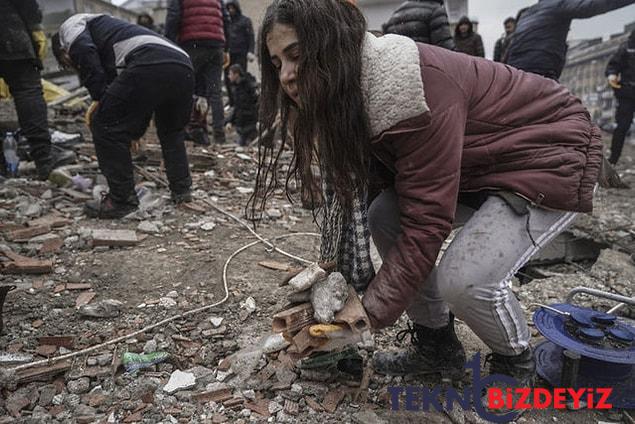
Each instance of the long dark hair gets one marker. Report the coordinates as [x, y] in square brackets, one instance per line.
[332, 126]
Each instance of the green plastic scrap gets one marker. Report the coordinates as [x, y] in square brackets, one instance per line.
[135, 361]
[330, 359]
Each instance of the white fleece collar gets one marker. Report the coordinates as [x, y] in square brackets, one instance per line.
[391, 81]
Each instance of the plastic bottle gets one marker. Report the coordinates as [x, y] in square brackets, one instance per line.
[10, 150]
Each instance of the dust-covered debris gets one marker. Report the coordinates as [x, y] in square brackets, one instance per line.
[164, 260]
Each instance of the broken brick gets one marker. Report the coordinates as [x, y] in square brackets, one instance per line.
[313, 404]
[137, 416]
[219, 395]
[24, 234]
[293, 319]
[16, 403]
[52, 245]
[53, 221]
[61, 341]
[19, 264]
[46, 350]
[291, 407]
[234, 403]
[332, 400]
[84, 298]
[260, 407]
[114, 238]
[42, 373]
[95, 399]
[218, 419]
[76, 286]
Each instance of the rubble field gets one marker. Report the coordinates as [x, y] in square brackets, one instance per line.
[81, 283]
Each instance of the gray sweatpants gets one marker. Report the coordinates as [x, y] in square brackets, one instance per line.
[473, 278]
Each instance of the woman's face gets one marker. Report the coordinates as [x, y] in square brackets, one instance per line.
[284, 49]
[464, 28]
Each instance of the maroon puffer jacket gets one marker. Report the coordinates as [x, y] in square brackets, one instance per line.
[490, 127]
[201, 20]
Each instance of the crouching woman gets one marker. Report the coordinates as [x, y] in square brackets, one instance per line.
[449, 140]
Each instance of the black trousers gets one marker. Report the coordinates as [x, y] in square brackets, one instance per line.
[24, 81]
[208, 75]
[234, 58]
[124, 114]
[624, 119]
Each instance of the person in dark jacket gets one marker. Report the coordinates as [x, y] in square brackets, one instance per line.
[244, 117]
[620, 72]
[131, 73]
[511, 155]
[500, 48]
[466, 40]
[425, 21]
[146, 21]
[539, 44]
[201, 28]
[241, 40]
[22, 48]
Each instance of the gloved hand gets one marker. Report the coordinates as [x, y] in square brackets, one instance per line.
[251, 57]
[201, 105]
[88, 117]
[614, 81]
[39, 38]
[226, 60]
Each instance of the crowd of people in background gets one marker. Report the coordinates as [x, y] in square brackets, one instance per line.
[219, 40]
[534, 41]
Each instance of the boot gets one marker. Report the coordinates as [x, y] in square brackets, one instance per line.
[219, 136]
[179, 198]
[54, 159]
[199, 136]
[433, 351]
[108, 208]
[521, 368]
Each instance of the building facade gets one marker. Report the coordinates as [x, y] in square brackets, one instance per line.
[57, 11]
[155, 8]
[584, 73]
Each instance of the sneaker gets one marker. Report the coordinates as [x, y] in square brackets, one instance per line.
[199, 136]
[433, 351]
[107, 208]
[179, 198]
[56, 158]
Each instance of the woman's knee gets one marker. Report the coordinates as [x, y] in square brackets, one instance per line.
[458, 282]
